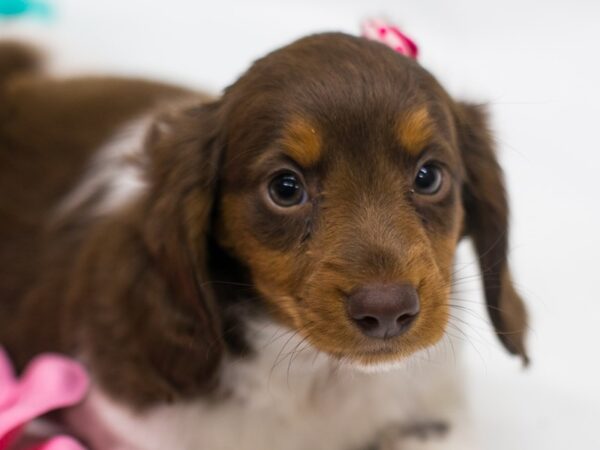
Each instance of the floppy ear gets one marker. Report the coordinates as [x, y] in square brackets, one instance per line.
[486, 222]
[139, 308]
[184, 156]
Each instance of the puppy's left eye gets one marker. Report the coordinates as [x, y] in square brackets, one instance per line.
[286, 190]
[429, 179]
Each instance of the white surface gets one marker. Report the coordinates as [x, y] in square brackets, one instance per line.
[536, 64]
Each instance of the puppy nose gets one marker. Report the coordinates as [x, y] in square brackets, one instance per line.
[383, 310]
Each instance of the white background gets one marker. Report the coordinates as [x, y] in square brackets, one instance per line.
[535, 63]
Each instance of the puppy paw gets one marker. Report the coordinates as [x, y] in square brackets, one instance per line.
[401, 437]
[429, 435]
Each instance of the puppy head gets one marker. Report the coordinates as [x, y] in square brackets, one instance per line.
[346, 178]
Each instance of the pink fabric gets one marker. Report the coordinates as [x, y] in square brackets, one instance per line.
[50, 382]
[390, 35]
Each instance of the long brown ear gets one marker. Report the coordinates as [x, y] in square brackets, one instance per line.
[486, 208]
[146, 319]
[184, 156]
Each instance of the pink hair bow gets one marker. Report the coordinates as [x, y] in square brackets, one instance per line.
[390, 35]
[50, 382]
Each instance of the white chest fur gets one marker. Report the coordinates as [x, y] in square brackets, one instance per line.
[286, 397]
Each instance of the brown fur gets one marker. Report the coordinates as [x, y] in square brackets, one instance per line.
[150, 295]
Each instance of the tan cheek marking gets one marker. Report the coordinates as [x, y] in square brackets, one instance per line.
[302, 142]
[274, 272]
[414, 130]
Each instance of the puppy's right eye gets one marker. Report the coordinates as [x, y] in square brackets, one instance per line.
[286, 190]
[429, 179]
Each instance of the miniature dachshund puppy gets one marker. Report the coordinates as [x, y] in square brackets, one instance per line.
[256, 271]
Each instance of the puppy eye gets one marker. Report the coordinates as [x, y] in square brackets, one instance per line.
[429, 179]
[287, 190]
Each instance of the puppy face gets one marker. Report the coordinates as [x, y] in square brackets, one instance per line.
[340, 176]
[341, 192]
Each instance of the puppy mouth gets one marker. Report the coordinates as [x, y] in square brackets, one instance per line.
[374, 352]
[382, 350]
[373, 360]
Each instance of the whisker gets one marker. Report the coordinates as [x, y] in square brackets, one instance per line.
[294, 355]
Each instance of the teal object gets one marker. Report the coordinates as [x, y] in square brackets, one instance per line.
[16, 8]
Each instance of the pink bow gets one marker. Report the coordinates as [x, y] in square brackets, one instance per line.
[390, 35]
[50, 382]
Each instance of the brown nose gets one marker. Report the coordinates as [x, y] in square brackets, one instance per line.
[384, 310]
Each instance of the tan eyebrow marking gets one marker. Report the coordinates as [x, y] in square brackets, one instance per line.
[414, 129]
[302, 142]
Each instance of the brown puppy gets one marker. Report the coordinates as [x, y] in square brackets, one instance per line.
[147, 230]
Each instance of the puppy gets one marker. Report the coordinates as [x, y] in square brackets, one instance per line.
[230, 269]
